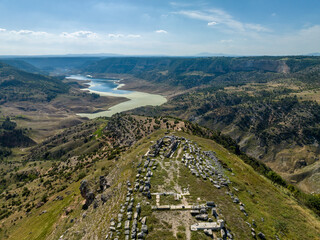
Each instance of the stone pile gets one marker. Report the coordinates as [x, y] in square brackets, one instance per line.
[128, 219]
[174, 143]
[205, 165]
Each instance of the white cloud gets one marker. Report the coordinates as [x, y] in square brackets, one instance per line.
[212, 23]
[256, 27]
[29, 32]
[252, 41]
[112, 35]
[134, 36]
[3, 30]
[179, 4]
[80, 34]
[226, 41]
[217, 16]
[299, 42]
[118, 35]
[161, 31]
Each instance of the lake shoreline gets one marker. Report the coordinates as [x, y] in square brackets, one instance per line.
[135, 99]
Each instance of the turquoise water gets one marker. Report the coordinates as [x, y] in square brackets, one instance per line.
[109, 87]
[101, 85]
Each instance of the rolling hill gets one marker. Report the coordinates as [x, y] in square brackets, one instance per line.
[268, 105]
[17, 85]
[152, 178]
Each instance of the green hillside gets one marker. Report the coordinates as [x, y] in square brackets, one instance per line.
[17, 85]
[22, 65]
[267, 207]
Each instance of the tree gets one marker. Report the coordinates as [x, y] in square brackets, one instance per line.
[8, 125]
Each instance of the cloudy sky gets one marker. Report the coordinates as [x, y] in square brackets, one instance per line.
[159, 27]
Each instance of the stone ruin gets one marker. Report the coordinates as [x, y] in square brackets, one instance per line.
[202, 164]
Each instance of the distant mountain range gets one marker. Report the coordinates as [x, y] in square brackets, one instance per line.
[314, 54]
[208, 54]
[73, 55]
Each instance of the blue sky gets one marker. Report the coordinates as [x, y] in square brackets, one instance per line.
[153, 27]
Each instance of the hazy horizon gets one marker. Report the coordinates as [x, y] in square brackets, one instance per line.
[170, 28]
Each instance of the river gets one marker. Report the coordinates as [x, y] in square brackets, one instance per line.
[111, 87]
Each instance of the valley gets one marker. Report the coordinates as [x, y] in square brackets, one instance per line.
[113, 87]
[37, 111]
[159, 120]
[217, 148]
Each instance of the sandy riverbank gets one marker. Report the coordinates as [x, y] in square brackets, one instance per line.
[136, 99]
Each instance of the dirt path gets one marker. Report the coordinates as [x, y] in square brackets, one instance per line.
[179, 152]
[185, 215]
[173, 170]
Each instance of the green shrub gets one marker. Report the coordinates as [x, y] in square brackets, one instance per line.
[81, 175]
[25, 192]
[44, 198]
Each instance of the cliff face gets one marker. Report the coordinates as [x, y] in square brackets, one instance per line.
[189, 72]
[278, 66]
[209, 65]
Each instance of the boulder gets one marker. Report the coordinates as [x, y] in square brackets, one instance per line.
[86, 193]
[261, 236]
[68, 210]
[203, 211]
[104, 198]
[119, 225]
[39, 204]
[89, 198]
[194, 212]
[141, 235]
[144, 228]
[223, 233]
[127, 225]
[202, 217]
[103, 183]
[208, 232]
[236, 200]
[254, 223]
[95, 204]
[84, 188]
[144, 220]
[138, 208]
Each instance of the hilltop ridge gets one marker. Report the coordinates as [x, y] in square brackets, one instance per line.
[121, 164]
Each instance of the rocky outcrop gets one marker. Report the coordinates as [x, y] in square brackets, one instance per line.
[91, 196]
[86, 193]
[103, 183]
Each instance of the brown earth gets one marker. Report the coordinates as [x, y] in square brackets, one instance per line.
[47, 118]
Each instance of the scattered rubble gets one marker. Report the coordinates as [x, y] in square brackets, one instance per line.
[202, 164]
